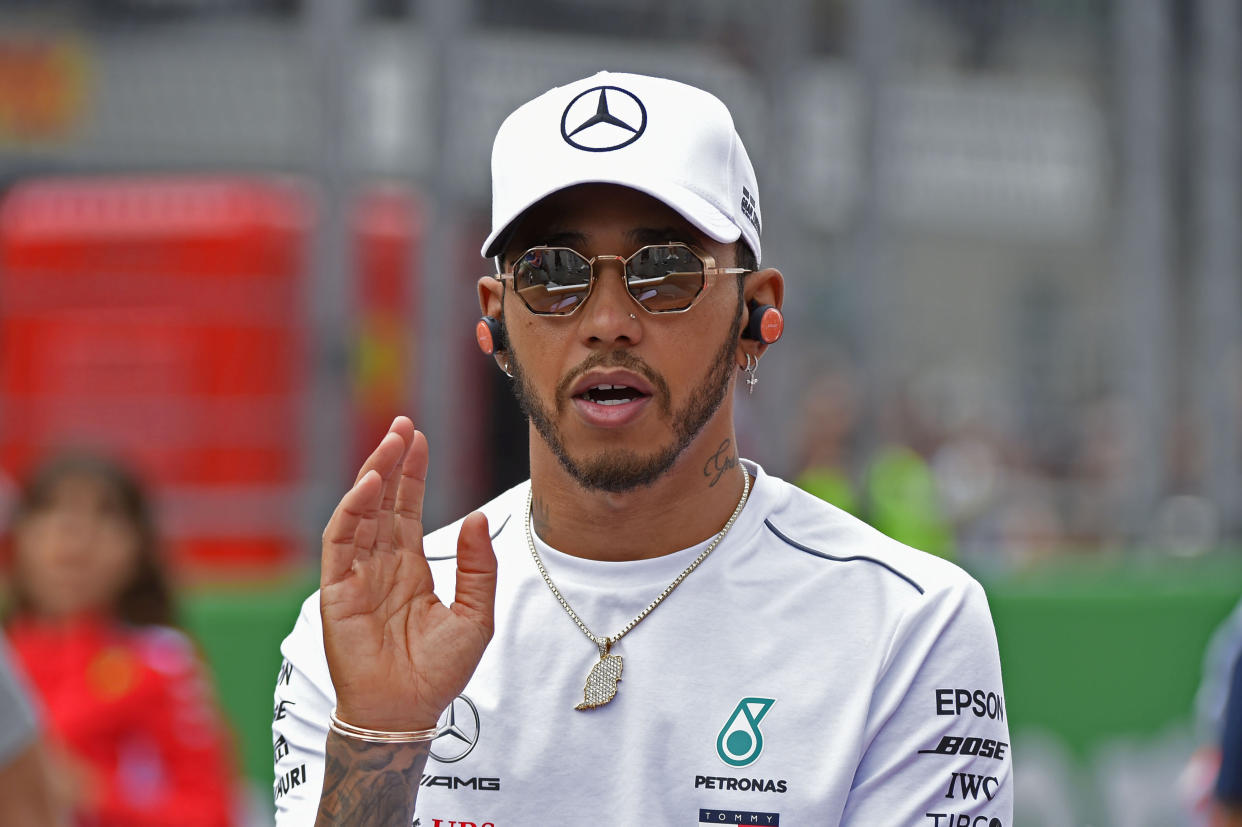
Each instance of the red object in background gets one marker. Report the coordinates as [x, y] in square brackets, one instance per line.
[162, 319]
[387, 234]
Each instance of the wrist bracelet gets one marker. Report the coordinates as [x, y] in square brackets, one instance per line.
[379, 736]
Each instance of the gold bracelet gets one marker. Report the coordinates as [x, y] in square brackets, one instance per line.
[379, 736]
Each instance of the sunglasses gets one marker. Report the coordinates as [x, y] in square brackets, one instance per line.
[662, 278]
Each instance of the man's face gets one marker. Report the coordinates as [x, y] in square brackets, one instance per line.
[617, 399]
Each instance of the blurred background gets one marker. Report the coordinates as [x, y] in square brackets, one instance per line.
[238, 236]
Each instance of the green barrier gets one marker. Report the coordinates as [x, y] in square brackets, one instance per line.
[239, 628]
[1093, 652]
[1089, 652]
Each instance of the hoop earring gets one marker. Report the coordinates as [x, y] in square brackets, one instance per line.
[752, 363]
[504, 368]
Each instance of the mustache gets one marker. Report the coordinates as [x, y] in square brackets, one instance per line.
[615, 359]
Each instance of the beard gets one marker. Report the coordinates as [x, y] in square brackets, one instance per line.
[619, 470]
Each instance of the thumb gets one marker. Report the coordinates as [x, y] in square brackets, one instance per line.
[476, 570]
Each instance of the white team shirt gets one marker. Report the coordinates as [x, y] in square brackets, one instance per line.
[810, 671]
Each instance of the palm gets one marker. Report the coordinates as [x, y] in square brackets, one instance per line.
[397, 654]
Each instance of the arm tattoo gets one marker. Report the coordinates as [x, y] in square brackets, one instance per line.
[719, 462]
[366, 783]
[541, 513]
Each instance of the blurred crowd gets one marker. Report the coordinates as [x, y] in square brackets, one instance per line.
[943, 469]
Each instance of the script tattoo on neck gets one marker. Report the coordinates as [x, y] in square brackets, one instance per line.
[719, 462]
[366, 783]
[540, 514]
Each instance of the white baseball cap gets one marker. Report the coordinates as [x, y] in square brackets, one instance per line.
[672, 141]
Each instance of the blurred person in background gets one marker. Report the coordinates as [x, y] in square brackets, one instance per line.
[903, 500]
[829, 420]
[136, 737]
[1218, 718]
[1227, 804]
[898, 493]
[26, 797]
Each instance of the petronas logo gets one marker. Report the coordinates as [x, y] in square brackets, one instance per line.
[740, 741]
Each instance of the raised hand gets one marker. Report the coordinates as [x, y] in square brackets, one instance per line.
[398, 656]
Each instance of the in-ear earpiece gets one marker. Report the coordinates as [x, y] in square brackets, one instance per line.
[766, 324]
[490, 335]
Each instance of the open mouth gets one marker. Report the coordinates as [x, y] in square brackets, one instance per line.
[611, 398]
[611, 394]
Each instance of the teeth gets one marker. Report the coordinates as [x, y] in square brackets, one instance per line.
[606, 394]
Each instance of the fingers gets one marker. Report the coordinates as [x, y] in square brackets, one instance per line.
[364, 514]
[385, 460]
[476, 571]
[404, 429]
[385, 506]
[409, 497]
[382, 458]
[341, 535]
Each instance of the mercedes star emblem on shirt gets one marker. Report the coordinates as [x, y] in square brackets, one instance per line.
[460, 731]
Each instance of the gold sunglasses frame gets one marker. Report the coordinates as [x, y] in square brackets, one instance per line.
[708, 262]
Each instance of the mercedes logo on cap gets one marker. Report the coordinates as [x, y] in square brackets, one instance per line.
[459, 727]
[603, 118]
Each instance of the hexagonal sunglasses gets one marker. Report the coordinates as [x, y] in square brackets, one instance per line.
[661, 278]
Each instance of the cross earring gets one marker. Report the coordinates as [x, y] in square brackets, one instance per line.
[752, 363]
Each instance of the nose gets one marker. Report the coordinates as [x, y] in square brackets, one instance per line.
[73, 530]
[610, 316]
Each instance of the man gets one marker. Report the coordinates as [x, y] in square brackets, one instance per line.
[676, 637]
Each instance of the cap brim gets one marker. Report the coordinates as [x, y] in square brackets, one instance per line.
[690, 205]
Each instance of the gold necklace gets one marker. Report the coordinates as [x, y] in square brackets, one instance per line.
[601, 683]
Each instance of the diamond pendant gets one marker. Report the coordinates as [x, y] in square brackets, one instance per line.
[601, 683]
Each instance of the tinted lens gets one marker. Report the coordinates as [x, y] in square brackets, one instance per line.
[552, 279]
[664, 277]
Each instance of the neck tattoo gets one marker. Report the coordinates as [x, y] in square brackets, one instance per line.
[601, 684]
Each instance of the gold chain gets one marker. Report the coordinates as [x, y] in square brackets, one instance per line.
[605, 644]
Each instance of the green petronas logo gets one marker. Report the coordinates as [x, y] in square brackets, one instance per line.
[740, 741]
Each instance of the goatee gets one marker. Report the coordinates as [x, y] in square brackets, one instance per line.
[620, 470]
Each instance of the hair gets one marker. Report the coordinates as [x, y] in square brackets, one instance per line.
[744, 256]
[147, 598]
